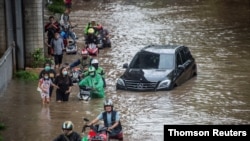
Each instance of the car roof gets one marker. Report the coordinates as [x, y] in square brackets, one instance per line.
[168, 49]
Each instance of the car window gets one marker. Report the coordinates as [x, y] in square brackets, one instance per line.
[178, 59]
[147, 60]
[187, 53]
[183, 56]
[166, 61]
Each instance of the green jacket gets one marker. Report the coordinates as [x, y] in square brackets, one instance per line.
[87, 28]
[96, 83]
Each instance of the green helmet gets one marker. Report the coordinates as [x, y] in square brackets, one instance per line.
[92, 71]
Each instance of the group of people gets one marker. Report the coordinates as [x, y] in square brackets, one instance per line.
[60, 33]
[58, 36]
[110, 117]
[93, 76]
[63, 84]
[95, 33]
[48, 79]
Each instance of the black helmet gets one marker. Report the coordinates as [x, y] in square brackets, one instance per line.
[67, 125]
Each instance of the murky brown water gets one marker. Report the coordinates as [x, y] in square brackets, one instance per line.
[218, 36]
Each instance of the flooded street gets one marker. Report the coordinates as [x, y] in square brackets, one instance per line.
[218, 36]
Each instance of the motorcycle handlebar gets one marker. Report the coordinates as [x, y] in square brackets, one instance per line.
[86, 88]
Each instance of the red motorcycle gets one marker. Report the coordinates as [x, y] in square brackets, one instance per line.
[98, 133]
[92, 49]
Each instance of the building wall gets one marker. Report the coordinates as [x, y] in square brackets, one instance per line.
[33, 27]
[3, 45]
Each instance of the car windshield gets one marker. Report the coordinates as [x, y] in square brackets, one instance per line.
[146, 60]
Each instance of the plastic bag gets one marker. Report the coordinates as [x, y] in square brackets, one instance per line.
[38, 89]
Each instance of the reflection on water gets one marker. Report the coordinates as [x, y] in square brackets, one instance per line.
[44, 121]
[218, 38]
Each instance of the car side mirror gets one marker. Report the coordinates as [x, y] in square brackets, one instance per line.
[125, 65]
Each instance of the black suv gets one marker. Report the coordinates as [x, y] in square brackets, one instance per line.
[158, 67]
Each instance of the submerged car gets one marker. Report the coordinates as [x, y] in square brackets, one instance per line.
[158, 67]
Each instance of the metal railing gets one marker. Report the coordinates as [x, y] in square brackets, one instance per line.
[7, 68]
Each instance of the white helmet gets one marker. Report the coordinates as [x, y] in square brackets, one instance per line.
[94, 61]
[108, 102]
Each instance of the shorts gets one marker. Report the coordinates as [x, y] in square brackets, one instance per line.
[44, 95]
[58, 59]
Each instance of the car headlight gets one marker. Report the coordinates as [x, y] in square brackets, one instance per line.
[164, 84]
[120, 82]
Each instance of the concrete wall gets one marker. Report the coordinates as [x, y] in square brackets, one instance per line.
[3, 45]
[33, 27]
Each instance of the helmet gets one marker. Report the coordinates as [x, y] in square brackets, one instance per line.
[99, 27]
[108, 102]
[94, 61]
[67, 125]
[91, 69]
[84, 52]
[91, 30]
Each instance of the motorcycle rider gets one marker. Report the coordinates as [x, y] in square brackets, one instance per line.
[66, 26]
[98, 69]
[85, 61]
[104, 36]
[91, 24]
[68, 133]
[91, 37]
[93, 81]
[111, 120]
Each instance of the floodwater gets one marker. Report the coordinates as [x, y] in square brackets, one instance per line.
[218, 36]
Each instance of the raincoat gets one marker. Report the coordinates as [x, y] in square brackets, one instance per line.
[96, 83]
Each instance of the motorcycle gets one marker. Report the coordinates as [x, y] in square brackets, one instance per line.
[72, 48]
[98, 133]
[92, 49]
[75, 74]
[84, 93]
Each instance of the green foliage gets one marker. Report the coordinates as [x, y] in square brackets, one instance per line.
[2, 127]
[26, 75]
[57, 6]
[38, 58]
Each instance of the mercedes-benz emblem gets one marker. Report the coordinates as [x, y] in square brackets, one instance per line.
[140, 85]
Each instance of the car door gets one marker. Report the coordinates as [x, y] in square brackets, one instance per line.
[179, 69]
[188, 62]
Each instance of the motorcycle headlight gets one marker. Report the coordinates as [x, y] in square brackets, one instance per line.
[164, 84]
[120, 82]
